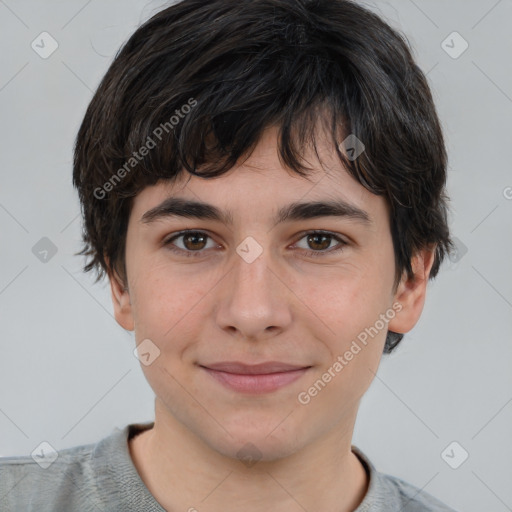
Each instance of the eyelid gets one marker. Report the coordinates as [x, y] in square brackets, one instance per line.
[337, 236]
[173, 236]
[299, 235]
[342, 242]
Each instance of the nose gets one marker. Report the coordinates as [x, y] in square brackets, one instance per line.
[254, 301]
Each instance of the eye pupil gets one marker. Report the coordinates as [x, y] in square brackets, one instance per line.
[190, 236]
[319, 235]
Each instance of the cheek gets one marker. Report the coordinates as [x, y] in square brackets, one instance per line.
[167, 301]
[354, 343]
[347, 303]
[173, 304]
[345, 299]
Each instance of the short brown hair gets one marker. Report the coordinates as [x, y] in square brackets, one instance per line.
[242, 66]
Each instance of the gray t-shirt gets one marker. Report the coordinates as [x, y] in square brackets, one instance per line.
[101, 477]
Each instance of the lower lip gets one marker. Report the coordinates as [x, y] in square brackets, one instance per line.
[264, 383]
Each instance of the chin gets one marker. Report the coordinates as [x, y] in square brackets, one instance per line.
[250, 450]
[253, 441]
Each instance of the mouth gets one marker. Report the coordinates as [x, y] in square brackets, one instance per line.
[255, 379]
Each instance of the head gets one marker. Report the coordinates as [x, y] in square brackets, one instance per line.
[251, 106]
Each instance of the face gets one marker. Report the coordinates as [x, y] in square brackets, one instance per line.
[258, 284]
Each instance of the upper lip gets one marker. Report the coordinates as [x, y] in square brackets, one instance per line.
[253, 369]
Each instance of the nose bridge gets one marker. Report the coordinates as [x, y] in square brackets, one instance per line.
[255, 299]
[252, 279]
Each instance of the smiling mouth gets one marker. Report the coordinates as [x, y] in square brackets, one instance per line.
[255, 379]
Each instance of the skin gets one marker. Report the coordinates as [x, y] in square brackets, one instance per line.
[284, 306]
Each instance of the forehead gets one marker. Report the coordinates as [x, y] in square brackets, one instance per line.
[262, 186]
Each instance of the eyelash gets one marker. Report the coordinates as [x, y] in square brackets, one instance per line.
[198, 253]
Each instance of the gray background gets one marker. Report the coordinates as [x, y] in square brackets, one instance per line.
[67, 371]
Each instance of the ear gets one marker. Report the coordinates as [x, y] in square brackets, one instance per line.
[121, 302]
[411, 292]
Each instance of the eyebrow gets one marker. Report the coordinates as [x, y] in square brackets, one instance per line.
[191, 209]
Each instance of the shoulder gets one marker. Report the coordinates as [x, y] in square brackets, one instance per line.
[387, 493]
[410, 498]
[55, 480]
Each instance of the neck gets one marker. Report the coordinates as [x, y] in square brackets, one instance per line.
[183, 473]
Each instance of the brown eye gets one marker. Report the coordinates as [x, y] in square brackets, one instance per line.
[319, 241]
[189, 243]
[194, 241]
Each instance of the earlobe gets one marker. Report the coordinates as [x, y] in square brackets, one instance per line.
[121, 302]
[411, 292]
